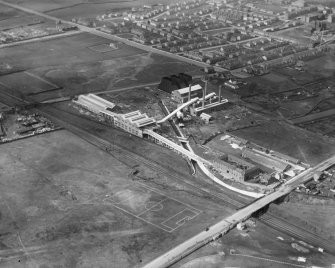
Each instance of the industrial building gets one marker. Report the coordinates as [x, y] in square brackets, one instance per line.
[232, 167]
[265, 160]
[174, 82]
[94, 103]
[134, 122]
[185, 94]
[208, 103]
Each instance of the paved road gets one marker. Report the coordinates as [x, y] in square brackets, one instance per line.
[112, 37]
[232, 43]
[230, 222]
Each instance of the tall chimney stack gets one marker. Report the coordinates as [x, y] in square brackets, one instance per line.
[189, 92]
[203, 98]
[220, 88]
[205, 93]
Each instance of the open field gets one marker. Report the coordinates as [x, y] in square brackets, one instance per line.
[323, 66]
[293, 141]
[32, 84]
[324, 126]
[70, 63]
[297, 34]
[13, 18]
[269, 83]
[78, 8]
[314, 69]
[67, 204]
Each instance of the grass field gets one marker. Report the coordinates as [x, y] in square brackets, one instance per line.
[8, 12]
[12, 18]
[25, 83]
[71, 63]
[67, 9]
[269, 83]
[324, 66]
[297, 34]
[65, 203]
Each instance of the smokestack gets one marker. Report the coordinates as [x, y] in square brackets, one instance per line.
[204, 94]
[203, 98]
[220, 87]
[189, 92]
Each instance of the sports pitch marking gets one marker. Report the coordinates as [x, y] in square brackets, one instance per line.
[154, 212]
[102, 48]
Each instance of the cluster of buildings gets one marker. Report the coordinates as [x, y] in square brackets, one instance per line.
[206, 102]
[254, 163]
[133, 122]
[23, 124]
[192, 28]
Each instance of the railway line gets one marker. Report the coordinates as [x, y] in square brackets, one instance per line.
[305, 235]
[121, 153]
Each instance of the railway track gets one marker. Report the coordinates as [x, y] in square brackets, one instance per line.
[121, 153]
[305, 235]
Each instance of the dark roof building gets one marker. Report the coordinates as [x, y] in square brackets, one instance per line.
[174, 82]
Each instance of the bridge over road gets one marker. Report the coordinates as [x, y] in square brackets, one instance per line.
[222, 227]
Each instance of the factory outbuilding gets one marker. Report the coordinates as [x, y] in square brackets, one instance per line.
[185, 94]
[206, 117]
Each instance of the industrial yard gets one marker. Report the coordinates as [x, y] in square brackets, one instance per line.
[167, 133]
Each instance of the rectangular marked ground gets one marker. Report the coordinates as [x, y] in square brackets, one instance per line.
[180, 218]
[102, 48]
[135, 199]
[170, 214]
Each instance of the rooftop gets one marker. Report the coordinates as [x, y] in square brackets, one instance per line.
[186, 89]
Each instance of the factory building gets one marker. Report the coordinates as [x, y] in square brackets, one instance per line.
[208, 103]
[265, 160]
[94, 103]
[174, 82]
[184, 94]
[134, 122]
[232, 167]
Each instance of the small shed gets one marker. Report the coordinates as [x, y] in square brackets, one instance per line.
[206, 117]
